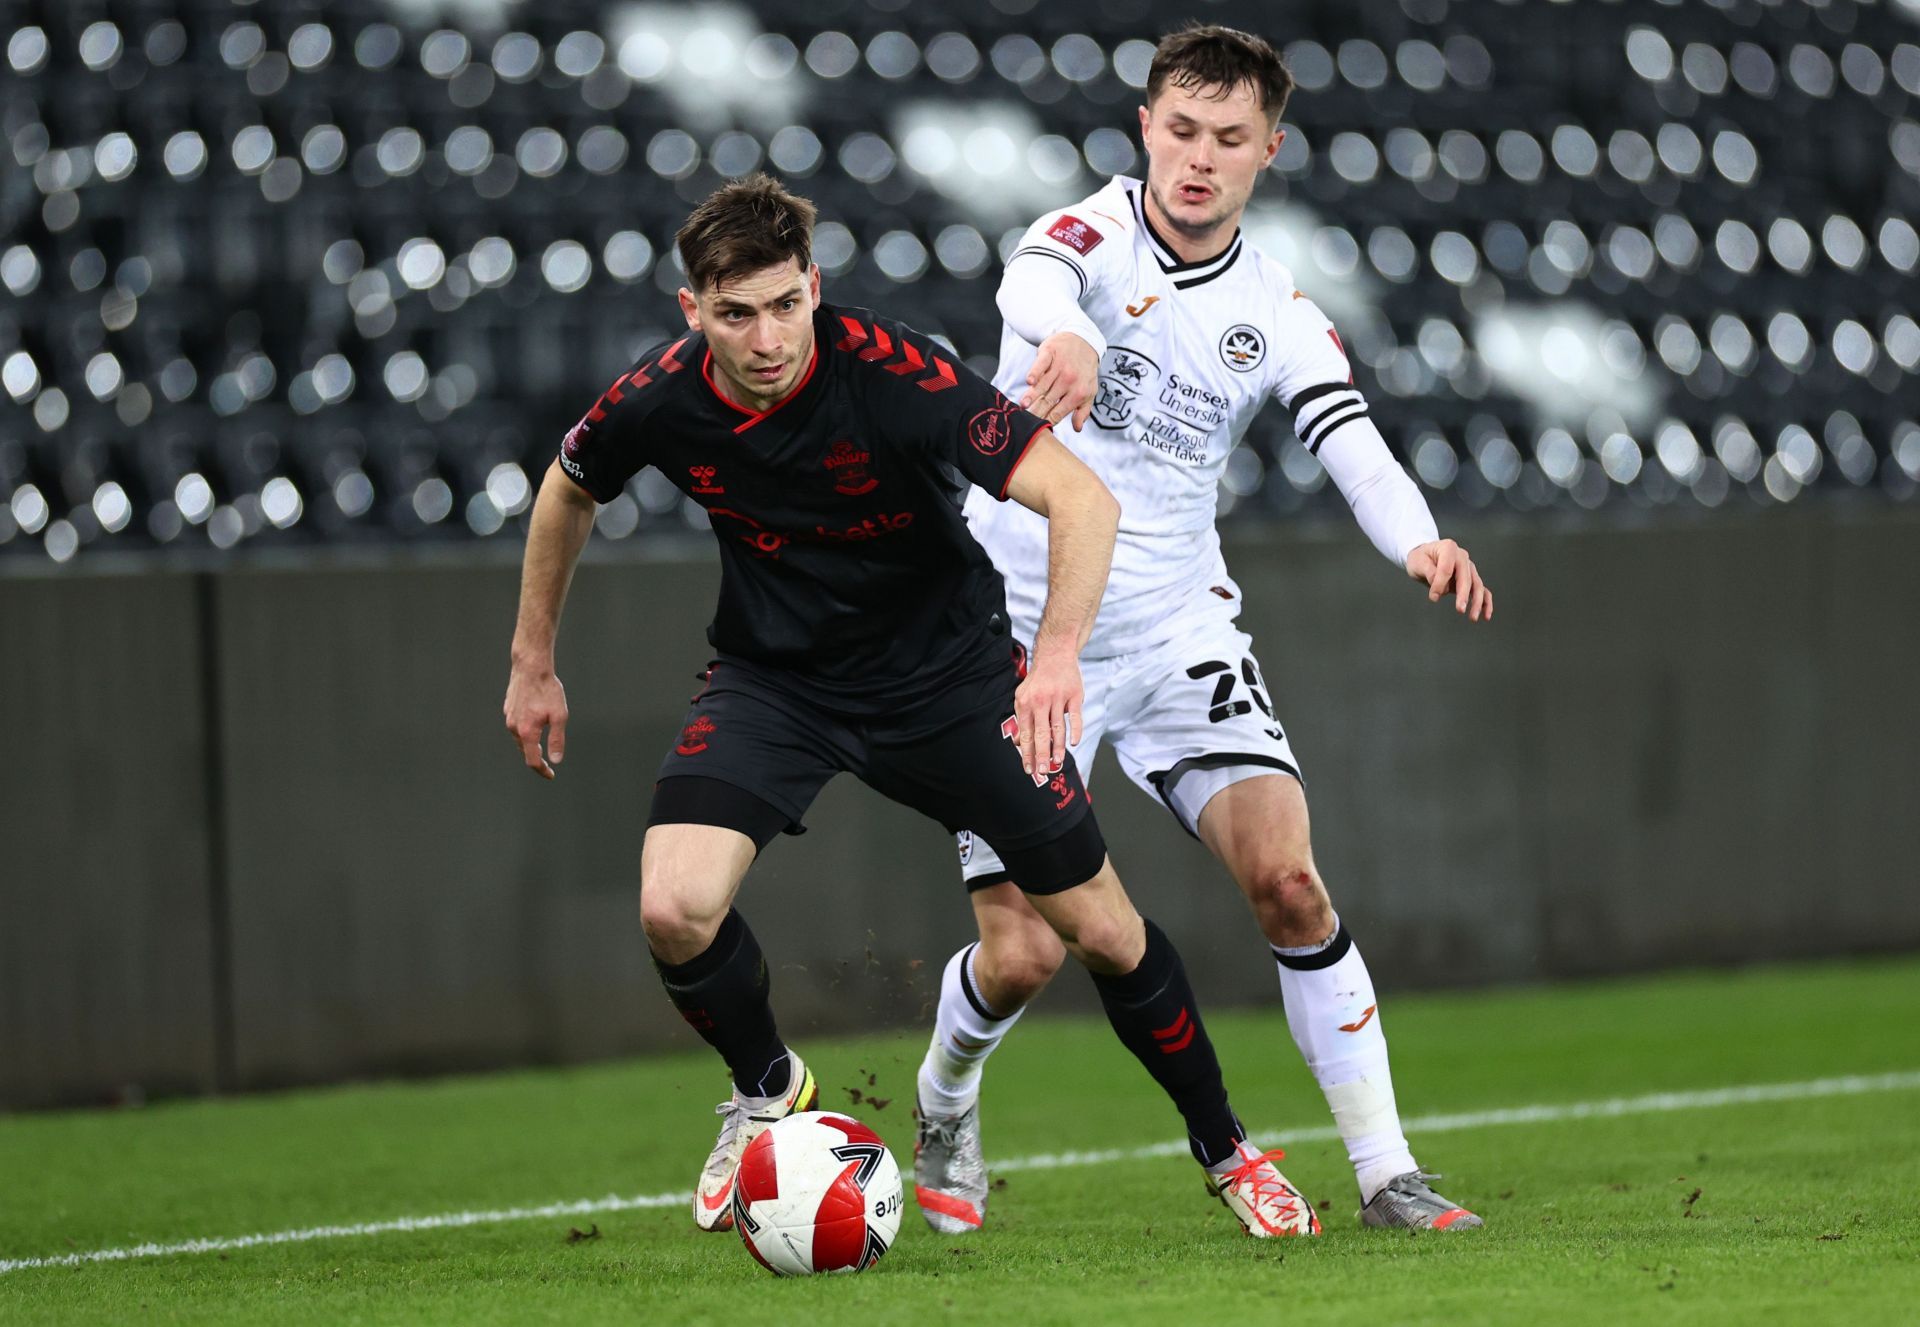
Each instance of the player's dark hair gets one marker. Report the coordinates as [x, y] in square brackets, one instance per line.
[1206, 55]
[742, 227]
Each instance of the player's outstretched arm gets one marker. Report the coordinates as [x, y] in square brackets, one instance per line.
[1444, 567]
[536, 703]
[1389, 507]
[1082, 520]
[1039, 296]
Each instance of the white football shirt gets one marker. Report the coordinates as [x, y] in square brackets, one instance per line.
[1193, 351]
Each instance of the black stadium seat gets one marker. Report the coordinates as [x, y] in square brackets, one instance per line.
[282, 273]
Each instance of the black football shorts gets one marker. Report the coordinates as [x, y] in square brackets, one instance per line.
[961, 770]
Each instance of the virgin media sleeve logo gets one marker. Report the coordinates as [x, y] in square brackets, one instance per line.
[991, 431]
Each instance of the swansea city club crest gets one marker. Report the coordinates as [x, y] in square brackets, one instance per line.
[1243, 348]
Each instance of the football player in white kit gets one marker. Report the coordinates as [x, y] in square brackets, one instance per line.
[1141, 313]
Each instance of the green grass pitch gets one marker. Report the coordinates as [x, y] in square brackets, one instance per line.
[1677, 1211]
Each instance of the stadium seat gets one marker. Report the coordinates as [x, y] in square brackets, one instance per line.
[325, 247]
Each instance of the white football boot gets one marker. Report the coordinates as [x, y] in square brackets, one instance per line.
[1267, 1206]
[743, 1119]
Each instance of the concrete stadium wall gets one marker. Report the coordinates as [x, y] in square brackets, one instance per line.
[262, 826]
[108, 918]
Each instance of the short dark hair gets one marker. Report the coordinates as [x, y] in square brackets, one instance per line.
[1206, 55]
[742, 227]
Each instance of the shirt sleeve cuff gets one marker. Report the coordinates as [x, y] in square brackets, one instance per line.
[1025, 448]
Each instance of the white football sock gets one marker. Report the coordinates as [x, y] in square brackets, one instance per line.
[964, 1034]
[1335, 1020]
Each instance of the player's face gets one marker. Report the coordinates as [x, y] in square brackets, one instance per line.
[1205, 148]
[760, 329]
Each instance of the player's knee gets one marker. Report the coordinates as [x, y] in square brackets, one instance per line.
[1291, 903]
[1015, 965]
[679, 923]
[1108, 941]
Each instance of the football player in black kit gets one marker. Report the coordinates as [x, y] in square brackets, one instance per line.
[859, 628]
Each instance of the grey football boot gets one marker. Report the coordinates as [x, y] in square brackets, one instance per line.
[1408, 1204]
[949, 1172]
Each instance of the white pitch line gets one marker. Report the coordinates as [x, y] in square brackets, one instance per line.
[1610, 1108]
[1654, 1103]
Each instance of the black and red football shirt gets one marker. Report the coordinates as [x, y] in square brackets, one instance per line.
[846, 565]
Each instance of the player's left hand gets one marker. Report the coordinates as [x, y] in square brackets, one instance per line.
[1445, 568]
[1062, 381]
[1046, 709]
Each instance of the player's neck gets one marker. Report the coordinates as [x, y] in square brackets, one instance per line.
[1189, 246]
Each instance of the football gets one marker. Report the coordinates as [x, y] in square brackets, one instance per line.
[817, 1192]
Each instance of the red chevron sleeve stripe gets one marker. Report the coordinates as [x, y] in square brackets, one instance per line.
[668, 362]
[913, 362]
[882, 345]
[856, 334]
[944, 377]
[612, 394]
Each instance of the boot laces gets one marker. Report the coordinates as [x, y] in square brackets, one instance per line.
[942, 1132]
[1412, 1183]
[733, 1114]
[1257, 1178]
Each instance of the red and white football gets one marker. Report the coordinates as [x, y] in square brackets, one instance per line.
[817, 1192]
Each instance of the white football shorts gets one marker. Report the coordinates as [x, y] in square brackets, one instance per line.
[1186, 719]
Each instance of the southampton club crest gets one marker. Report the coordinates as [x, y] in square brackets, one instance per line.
[1125, 375]
[848, 466]
[1242, 348]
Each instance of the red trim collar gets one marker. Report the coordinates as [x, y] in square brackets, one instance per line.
[755, 416]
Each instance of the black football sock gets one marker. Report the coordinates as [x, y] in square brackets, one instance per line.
[1153, 1010]
[722, 993]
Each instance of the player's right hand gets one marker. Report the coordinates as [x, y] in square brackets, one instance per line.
[1063, 379]
[1046, 708]
[1444, 567]
[536, 704]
